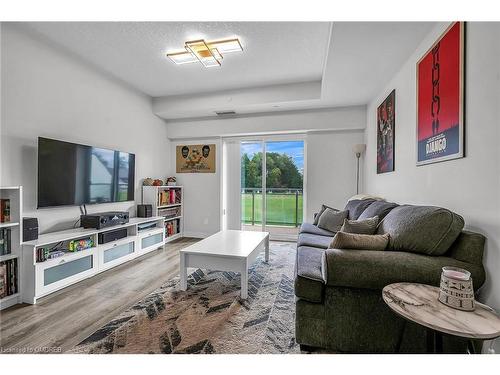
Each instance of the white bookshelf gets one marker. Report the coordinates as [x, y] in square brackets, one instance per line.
[151, 195]
[15, 195]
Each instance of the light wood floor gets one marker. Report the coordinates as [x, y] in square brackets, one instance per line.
[65, 318]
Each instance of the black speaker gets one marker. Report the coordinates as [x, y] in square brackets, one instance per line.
[112, 235]
[30, 229]
[144, 210]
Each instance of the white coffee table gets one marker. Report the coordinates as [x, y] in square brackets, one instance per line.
[228, 250]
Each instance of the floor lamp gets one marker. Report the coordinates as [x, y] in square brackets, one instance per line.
[358, 150]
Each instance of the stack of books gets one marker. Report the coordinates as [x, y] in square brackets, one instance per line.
[171, 228]
[5, 241]
[170, 196]
[8, 278]
[169, 213]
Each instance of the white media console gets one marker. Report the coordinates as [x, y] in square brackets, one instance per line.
[40, 278]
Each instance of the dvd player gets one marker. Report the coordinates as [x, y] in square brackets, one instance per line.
[103, 219]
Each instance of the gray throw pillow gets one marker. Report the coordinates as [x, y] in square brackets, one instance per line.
[323, 208]
[332, 220]
[359, 241]
[377, 208]
[366, 226]
[356, 207]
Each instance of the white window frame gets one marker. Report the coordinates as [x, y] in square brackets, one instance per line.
[263, 139]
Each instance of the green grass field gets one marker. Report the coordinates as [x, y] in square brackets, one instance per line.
[280, 209]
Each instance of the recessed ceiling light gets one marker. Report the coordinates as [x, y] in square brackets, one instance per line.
[210, 54]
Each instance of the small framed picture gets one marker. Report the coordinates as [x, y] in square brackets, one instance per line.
[386, 121]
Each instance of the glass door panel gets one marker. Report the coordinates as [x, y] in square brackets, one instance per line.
[284, 165]
[251, 185]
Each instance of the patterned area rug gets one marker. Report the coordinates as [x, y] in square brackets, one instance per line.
[210, 317]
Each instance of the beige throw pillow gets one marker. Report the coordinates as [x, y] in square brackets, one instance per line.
[355, 241]
[366, 226]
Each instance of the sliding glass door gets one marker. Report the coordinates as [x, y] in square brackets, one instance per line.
[272, 180]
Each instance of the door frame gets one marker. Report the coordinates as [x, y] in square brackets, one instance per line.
[262, 139]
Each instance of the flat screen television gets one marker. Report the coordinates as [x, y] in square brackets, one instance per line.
[71, 174]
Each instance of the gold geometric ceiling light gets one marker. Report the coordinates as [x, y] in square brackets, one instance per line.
[210, 54]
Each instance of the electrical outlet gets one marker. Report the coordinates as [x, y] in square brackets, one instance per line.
[205, 221]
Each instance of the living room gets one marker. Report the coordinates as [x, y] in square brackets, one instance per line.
[310, 186]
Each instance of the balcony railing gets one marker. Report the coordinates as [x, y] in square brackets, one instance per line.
[283, 206]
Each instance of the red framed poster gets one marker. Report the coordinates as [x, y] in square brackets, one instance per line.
[440, 98]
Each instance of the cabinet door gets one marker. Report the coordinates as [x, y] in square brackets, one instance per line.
[152, 240]
[59, 273]
[116, 254]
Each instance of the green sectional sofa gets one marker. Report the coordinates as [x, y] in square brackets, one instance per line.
[339, 304]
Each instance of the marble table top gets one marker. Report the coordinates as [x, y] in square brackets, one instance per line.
[419, 303]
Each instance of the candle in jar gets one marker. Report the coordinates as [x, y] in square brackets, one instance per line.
[457, 275]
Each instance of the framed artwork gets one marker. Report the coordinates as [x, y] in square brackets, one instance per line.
[195, 158]
[386, 121]
[440, 98]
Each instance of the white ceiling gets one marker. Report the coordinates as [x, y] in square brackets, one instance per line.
[274, 52]
[364, 56]
[285, 65]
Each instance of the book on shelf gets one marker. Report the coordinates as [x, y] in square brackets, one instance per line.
[4, 210]
[3, 280]
[5, 241]
[170, 196]
[172, 227]
[163, 198]
[8, 278]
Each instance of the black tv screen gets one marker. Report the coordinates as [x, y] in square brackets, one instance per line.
[74, 174]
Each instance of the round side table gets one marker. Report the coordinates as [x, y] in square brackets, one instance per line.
[419, 303]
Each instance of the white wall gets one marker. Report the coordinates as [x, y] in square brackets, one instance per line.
[468, 186]
[47, 92]
[202, 193]
[331, 169]
[330, 162]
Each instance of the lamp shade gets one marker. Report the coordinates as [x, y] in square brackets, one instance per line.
[359, 148]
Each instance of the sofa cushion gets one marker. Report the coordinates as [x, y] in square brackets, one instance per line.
[366, 226]
[323, 208]
[468, 247]
[313, 240]
[421, 229]
[309, 282]
[359, 241]
[332, 220]
[377, 208]
[376, 269]
[356, 207]
[313, 229]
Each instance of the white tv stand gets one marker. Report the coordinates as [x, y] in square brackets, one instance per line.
[39, 279]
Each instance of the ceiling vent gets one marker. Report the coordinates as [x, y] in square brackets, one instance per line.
[225, 113]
